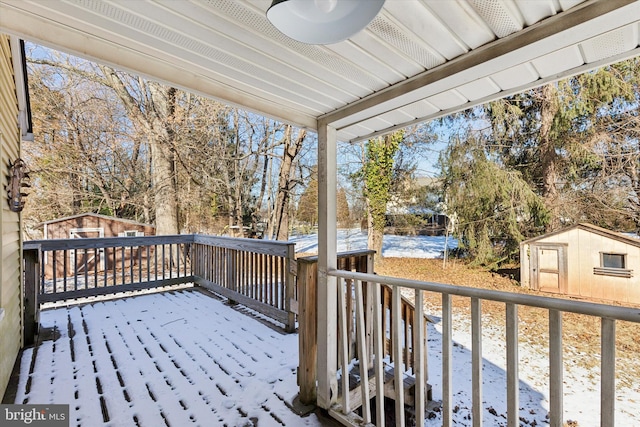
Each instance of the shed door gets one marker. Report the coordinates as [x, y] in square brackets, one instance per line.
[549, 267]
[91, 258]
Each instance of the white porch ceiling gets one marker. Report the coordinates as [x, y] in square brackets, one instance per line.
[417, 60]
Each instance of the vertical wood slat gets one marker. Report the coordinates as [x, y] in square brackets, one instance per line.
[343, 346]
[289, 281]
[513, 409]
[176, 263]
[65, 270]
[386, 311]
[96, 260]
[131, 264]
[363, 353]
[164, 257]
[148, 263]
[476, 361]
[447, 361]
[115, 266]
[54, 263]
[607, 372]
[139, 253]
[379, 342]
[105, 263]
[75, 271]
[367, 267]
[42, 271]
[419, 357]
[171, 261]
[555, 369]
[398, 371]
[123, 268]
[86, 267]
[407, 322]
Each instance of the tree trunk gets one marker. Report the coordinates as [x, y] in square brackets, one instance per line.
[548, 155]
[291, 151]
[374, 239]
[155, 113]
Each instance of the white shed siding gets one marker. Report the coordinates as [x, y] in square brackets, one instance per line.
[584, 247]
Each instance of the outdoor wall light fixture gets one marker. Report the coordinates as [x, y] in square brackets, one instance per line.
[322, 21]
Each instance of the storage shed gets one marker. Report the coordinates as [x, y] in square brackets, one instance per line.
[583, 261]
[90, 225]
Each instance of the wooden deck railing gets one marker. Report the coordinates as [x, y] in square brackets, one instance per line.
[259, 274]
[345, 406]
[349, 344]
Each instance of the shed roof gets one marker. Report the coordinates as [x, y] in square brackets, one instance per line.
[106, 217]
[417, 60]
[592, 229]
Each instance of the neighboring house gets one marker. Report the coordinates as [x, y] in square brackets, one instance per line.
[90, 225]
[15, 126]
[583, 261]
[411, 216]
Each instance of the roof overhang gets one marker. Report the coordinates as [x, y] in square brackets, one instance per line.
[417, 60]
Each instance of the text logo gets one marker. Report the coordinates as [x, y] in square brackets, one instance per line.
[34, 415]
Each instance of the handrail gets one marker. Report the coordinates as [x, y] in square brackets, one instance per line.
[343, 409]
[580, 307]
[269, 247]
[109, 242]
[259, 274]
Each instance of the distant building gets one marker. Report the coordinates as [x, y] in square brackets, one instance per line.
[411, 216]
[90, 225]
[94, 225]
[583, 261]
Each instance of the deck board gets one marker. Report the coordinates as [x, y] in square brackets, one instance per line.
[174, 358]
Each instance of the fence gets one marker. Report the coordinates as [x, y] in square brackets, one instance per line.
[355, 304]
[257, 273]
[345, 407]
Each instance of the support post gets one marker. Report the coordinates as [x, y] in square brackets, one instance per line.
[327, 261]
[31, 276]
[307, 324]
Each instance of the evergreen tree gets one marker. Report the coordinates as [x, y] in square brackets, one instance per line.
[342, 207]
[308, 204]
[494, 207]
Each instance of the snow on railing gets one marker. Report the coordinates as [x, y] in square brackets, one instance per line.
[345, 409]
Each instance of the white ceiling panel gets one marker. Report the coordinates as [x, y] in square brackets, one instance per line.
[417, 60]
[421, 109]
[558, 61]
[463, 22]
[610, 44]
[501, 16]
[478, 89]
[534, 11]
[447, 100]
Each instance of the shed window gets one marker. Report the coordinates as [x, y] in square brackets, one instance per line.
[613, 265]
[613, 260]
[131, 233]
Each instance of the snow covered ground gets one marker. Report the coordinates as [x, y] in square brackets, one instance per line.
[179, 358]
[392, 246]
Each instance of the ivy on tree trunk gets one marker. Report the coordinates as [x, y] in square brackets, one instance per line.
[378, 176]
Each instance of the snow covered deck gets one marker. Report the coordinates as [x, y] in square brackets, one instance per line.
[174, 358]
